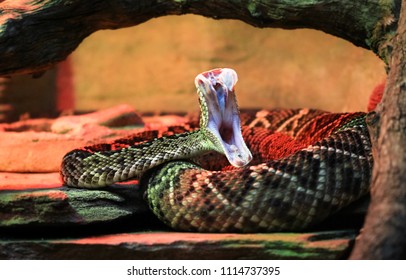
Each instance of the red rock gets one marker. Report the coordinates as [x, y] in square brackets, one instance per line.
[159, 122]
[119, 116]
[23, 181]
[39, 145]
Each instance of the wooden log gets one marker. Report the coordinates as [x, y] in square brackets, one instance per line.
[385, 226]
[34, 35]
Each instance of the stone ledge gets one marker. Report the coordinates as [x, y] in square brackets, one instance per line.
[174, 245]
[38, 145]
[69, 207]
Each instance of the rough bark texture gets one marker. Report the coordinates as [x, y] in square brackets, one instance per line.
[36, 34]
[385, 226]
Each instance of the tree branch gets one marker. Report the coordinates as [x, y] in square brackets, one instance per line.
[383, 236]
[35, 34]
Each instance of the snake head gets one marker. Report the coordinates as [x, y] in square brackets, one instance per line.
[220, 118]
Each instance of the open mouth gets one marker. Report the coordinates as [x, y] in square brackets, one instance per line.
[221, 117]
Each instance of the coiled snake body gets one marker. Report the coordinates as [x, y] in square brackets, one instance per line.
[313, 164]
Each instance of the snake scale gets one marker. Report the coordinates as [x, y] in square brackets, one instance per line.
[307, 164]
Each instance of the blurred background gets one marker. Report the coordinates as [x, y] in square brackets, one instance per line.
[152, 68]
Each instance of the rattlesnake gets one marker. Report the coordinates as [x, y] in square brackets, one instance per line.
[321, 163]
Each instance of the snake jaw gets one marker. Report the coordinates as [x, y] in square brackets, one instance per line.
[220, 115]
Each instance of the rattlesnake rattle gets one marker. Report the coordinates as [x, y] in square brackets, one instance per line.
[322, 164]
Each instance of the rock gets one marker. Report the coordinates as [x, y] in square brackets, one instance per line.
[119, 116]
[187, 246]
[39, 145]
[29, 181]
[163, 121]
[69, 207]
